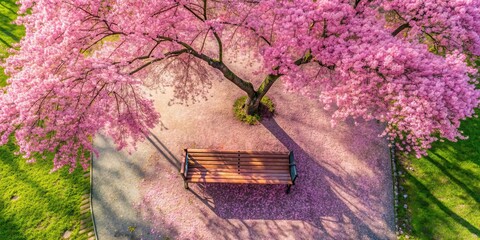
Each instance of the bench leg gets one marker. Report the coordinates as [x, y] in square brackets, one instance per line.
[185, 184]
[288, 188]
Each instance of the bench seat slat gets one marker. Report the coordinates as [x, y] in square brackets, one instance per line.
[256, 163]
[236, 152]
[200, 174]
[266, 171]
[242, 159]
[239, 159]
[269, 181]
[238, 176]
[209, 155]
[236, 167]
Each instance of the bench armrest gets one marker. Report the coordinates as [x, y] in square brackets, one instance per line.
[184, 168]
[292, 167]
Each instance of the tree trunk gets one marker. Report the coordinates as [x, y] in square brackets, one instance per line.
[252, 105]
[253, 101]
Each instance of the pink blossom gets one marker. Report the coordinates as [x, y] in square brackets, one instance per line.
[82, 65]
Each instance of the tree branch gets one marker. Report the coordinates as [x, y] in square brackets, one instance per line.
[250, 28]
[356, 3]
[220, 46]
[195, 14]
[242, 84]
[272, 78]
[217, 38]
[167, 55]
[205, 9]
[400, 28]
[266, 84]
[166, 9]
[227, 73]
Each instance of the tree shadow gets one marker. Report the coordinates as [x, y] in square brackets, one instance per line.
[449, 196]
[8, 33]
[113, 195]
[163, 150]
[6, 21]
[450, 169]
[426, 196]
[189, 79]
[5, 42]
[9, 228]
[10, 9]
[44, 195]
[35, 185]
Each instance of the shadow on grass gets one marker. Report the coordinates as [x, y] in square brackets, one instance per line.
[447, 169]
[7, 32]
[8, 228]
[451, 172]
[44, 197]
[7, 27]
[424, 195]
[4, 4]
[5, 42]
[20, 175]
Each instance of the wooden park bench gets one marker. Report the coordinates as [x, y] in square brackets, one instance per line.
[241, 167]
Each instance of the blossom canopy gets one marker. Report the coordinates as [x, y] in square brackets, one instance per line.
[82, 64]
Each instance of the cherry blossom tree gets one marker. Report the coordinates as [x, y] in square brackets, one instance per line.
[83, 64]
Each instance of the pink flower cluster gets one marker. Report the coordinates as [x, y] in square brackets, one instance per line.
[81, 67]
[448, 24]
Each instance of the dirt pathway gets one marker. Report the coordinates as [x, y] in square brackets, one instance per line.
[344, 190]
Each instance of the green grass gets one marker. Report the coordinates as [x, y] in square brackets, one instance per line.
[34, 203]
[266, 109]
[37, 204]
[443, 189]
[9, 32]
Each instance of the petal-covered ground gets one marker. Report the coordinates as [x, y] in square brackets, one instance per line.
[344, 189]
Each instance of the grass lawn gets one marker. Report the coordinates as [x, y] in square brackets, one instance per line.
[443, 189]
[9, 33]
[34, 204]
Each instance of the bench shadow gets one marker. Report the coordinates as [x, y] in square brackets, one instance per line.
[317, 198]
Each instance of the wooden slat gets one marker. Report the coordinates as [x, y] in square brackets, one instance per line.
[238, 163]
[245, 159]
[239, 159]
[231, 163]
[240, 181]
[205, 170]
[235, 151]
[239, 174]
[209, 155]
[236, 167]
